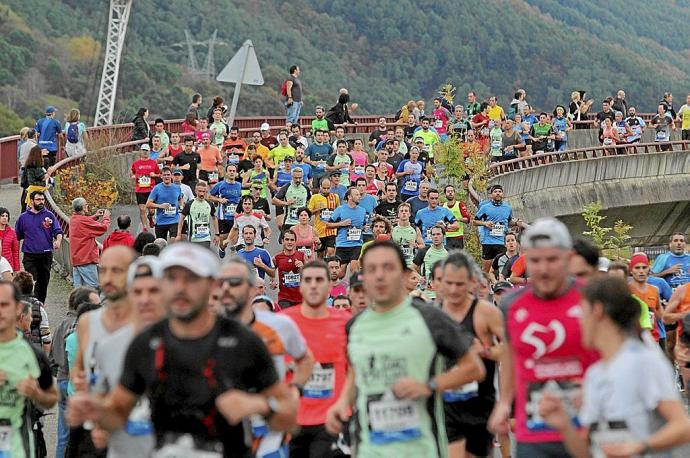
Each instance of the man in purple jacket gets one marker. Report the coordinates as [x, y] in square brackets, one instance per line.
[40, 234]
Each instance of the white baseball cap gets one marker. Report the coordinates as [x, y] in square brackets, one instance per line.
[546, 233]
[198, 259]
[145, 147]
[265, 126]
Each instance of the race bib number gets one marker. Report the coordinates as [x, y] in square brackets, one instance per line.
[144, 181]
[5, 438]
[484, 132]
[661, 136]
[411, 185]
[428, 234]
[201, 231]
[608, 432]
[321, 384]
[229, 211]
[565, 389]
[213, 177]
[306, 251]
[321, 164]
[498, 230]
[464, 393]
[608, 141]
[291, 279]
[293, 214]
[259, 426]
[359, 170]
[562, 135]
[170, 211]
[406, 251]
[354, 234]
[438, 124]
[496, 144]
[326, 214]
[186, 446]
[392, 420]
[233, 159]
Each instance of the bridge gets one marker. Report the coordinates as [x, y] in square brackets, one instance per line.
[642, 184]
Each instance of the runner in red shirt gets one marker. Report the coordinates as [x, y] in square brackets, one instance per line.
[544, 351]
[324, 330]
[144, 171]
[289, 262]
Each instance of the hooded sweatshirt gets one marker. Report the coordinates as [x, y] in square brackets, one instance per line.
[118, 237]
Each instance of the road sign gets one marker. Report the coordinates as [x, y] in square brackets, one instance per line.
[243, 68]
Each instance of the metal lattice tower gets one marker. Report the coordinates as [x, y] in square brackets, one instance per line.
[208, 71]
[191, 58]
[117, 28]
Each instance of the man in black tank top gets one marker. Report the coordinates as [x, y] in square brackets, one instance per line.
[468, 408]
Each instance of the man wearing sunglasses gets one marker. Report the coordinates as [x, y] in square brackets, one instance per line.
[236, 287]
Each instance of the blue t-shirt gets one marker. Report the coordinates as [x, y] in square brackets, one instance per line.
[48, 129]
[668, 260]
[427, 218]
[249, 256]
[368, 203]
[409, 184]
[500, 215]
[340, 190]
[319, 153]
[416, 204]
[166, 194]
[230, 191]
[283, 178]
[349, 236]
[665, 293]
[307, 169]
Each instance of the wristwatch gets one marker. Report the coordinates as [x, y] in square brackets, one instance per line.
[432, 385]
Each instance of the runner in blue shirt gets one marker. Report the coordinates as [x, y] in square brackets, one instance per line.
[494, 217]
[306, 168]
[258, 258]
[349, 219]
[166, 198]
[409, 175]
[433, 215]
[368, 203]
[227, 194]
[336, 187]
[317, 154]
[674, 266]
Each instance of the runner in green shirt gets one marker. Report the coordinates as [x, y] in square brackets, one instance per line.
[292, 197]
[396, 349]
[200, 218]
[427, 257]
[406, 235]
[24, 376]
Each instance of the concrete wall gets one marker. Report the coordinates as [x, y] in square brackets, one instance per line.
[649, 191]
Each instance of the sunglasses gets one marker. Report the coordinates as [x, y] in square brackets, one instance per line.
[232, 281]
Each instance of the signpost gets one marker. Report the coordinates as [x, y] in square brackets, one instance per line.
[243, 68]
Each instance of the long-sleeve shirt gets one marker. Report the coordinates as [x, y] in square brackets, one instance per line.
[82, 240]
[37, 230]
[58, 357]
[10, 247]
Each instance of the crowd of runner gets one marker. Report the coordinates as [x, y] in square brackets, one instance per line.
[369, 331]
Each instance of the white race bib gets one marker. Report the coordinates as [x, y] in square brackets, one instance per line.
[565, 389]
[321, 383]
[201, 231]
[213, 177]
[170, 211]
[326, 214]
[411, 185]
[606, 432]
[496, 144]
[354, 234]
[233, 159]
[661, 136]
[465, 392]
[291, 279]
[5, 437]
[306, 251]
[393, 420]
[438, 124]
[139, 421]
[484, 132]
[359, 170]
[144, 181]
[229, 210]
[406, 251]
[498, 230]
[608, 141]
[184, 446]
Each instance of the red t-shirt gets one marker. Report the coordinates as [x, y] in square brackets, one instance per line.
[288, 276]
[547, 354]
[175, 150]
[327, 341]
[143, 181]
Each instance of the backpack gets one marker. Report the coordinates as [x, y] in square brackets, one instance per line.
[512, 111]
[36, 318]
[73, 132]
[283, 88]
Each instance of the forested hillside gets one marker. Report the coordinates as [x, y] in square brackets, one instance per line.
[385, 52]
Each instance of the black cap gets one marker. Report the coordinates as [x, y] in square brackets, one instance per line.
[356, 280]
[502, 286]
[494, 187]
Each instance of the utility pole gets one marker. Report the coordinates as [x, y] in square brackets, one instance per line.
[243, 68]
[117, 28]
[209, 69]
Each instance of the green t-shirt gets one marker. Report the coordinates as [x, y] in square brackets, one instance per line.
[17, 361]
[165, 140]
[409, 340]
[405, 237]
[319, 124]
[199, 214]
[219, 130]
[496, 141]
[300, 194]
[430, 139]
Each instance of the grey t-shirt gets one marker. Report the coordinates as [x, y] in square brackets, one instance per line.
[137, 439]
[296, 90]
[621, 396]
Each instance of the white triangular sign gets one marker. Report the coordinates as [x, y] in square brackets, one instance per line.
[234, 71]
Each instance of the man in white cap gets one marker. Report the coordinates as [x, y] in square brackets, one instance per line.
[544, 350]
[268, 140]
[203, 374]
